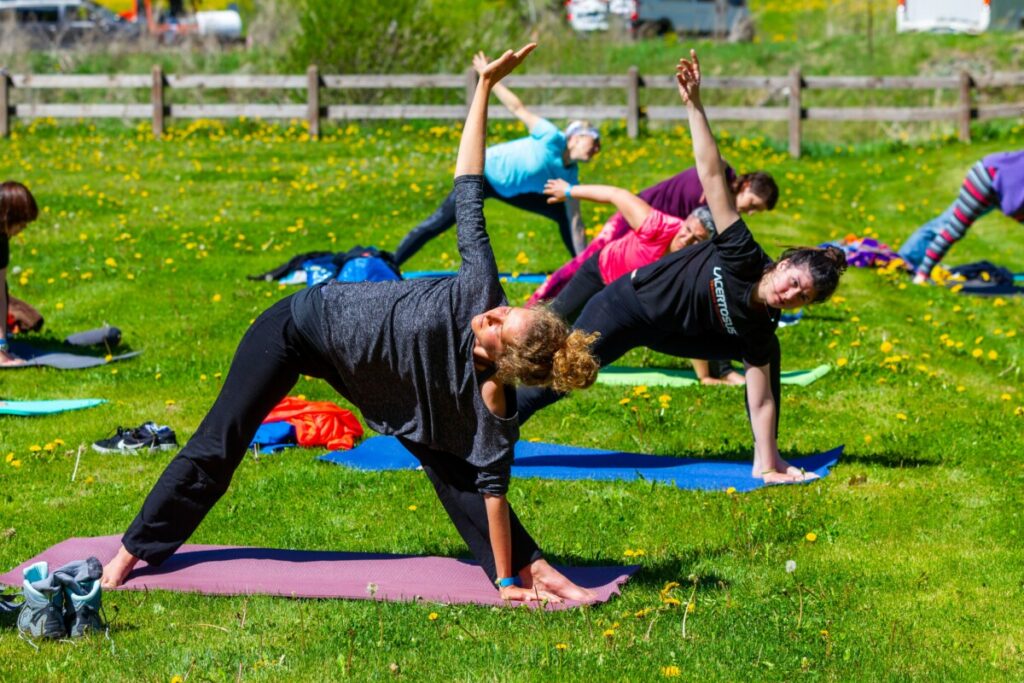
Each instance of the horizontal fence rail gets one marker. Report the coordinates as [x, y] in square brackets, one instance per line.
[789, 88]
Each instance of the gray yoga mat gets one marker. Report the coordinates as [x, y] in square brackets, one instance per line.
[60, 360]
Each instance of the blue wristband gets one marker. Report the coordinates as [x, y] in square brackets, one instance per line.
[568, 191]
[508, 581]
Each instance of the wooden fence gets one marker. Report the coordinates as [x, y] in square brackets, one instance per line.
[790, 87]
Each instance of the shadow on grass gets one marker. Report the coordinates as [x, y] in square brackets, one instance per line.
[899, 462]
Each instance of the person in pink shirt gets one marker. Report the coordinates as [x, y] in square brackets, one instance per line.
[677, 196]
[651, 235]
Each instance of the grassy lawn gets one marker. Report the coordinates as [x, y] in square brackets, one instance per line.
[915, 568]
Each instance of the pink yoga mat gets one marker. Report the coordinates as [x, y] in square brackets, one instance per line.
[230, 570]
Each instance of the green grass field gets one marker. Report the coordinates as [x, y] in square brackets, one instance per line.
[908, 557]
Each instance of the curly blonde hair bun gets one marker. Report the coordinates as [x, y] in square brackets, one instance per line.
[550, 355]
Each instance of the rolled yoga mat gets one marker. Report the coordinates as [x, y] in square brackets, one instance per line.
[59, 360]
[553, 461]
[26, 408]
[230, 570]
[666, 377]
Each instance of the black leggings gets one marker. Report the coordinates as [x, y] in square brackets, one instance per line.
[617, 314]
[270, 358]
[444, 218]
[584, 284]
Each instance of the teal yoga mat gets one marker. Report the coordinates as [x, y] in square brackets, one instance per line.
[27, 408]
[665, 377]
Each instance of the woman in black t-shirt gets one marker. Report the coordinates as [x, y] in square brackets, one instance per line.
[714, 300]
[17, 209]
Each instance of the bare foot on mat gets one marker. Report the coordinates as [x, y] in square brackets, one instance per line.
[117, 570]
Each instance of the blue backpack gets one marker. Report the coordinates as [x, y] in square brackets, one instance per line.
[359, 264]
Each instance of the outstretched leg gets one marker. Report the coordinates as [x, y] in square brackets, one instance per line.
[536, 202]
[454, 481]
[616, 314]
[267, 364]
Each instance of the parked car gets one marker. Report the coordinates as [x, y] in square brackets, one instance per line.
[719, 17]
[959, 16]
[60, 23]
[599, 15]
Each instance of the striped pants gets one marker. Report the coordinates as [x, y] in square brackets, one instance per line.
[977, 198]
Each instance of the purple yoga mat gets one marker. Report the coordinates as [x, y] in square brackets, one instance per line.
[231, 570]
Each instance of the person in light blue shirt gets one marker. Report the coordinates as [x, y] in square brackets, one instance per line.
[515, 172]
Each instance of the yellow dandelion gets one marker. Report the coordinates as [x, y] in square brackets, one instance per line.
[811, 537]
[841, 362]
[886, 347]
[433, 616]
[670, 671]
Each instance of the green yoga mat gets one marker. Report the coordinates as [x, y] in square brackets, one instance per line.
[26, 408]
[664, 377]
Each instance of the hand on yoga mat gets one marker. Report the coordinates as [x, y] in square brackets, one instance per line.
[517, 594]
[540, 578]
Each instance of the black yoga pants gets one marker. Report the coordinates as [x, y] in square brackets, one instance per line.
[444, 218]
[269, 360]
[585, 283]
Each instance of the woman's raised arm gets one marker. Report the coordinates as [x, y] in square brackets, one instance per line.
[474, 133]
[710, 168]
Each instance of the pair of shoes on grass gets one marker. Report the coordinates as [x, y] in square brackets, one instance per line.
[53, 609]
[147, 436]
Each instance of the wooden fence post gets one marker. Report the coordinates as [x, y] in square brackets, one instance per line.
[313, 100]
[964, 117]
[470, 87]
[633, 102]
[157, 98]
[5, 104]
[796, 112]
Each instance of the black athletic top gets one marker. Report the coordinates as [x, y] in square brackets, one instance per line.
[404, 352]
[706, 287]
[5, 250]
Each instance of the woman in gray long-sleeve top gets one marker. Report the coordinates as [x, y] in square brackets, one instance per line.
[433, 362]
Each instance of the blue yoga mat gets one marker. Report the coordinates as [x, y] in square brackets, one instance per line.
[553, 461]
[26, 408]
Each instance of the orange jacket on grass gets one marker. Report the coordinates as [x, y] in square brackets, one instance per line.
[318, 423]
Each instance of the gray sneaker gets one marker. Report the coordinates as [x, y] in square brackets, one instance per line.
[83, 611]
[42, 614]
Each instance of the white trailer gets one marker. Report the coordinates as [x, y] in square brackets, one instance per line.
[959, 16]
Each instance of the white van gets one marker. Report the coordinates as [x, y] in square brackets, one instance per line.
[959, 16]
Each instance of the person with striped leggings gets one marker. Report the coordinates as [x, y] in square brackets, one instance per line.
[995, 182]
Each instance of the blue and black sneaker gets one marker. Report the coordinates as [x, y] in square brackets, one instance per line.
[82, 611]
[147, 436]
[42, 613]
